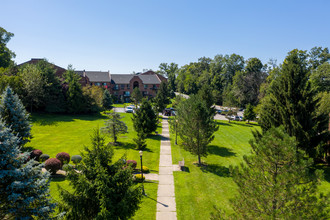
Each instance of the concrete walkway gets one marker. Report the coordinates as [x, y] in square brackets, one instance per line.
[166, 207]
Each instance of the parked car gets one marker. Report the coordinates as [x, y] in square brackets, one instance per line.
[241, 118]
[129, 109]
[219, 111]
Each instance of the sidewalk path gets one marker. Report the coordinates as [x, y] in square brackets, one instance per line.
[166, 207]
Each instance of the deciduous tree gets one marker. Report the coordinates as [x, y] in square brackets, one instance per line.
[136, 96]
[5, 54]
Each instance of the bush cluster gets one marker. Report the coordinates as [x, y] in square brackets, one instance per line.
[53, 165]
[63, 157]
[76, 159]
[138, 178]
[132, 163]
[145, 169]
[35, 154]
[44, 157]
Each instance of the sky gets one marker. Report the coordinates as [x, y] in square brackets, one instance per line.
[128, 35]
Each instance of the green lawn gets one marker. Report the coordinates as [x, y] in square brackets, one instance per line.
[69, 133]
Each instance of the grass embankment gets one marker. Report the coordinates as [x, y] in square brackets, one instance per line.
[69, 133]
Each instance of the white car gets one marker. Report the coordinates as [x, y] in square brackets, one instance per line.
[129, 109]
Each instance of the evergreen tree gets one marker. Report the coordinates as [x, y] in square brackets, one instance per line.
[140, 141]
[102, 189]
[75, 99]
[249, 113]
[24, 189]
[107, 100]
[292, 103]
[277, 182]
[114, 126]
[136, 95]
[145, 119]
[162, 97]
[196, 125]
[15, 116]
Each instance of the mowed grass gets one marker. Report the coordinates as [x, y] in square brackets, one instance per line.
[200, 188]
[70, 133]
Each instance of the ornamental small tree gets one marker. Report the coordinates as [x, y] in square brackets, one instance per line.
[14, 116]
[145, 119]
[278, 181]
[24, 189]
[102, 189]
[114, 126]
[249, 113]
[107, 100]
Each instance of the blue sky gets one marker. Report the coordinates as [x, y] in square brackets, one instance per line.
[125, 36]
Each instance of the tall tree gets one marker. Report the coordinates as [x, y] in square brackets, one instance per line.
[169, 71]
[249, 113]
[136, 96]
[75, 99]
[145, 119]
[15, 117]
[34, 86]
[162, 97]
[114, 126]
[277, 182]
[5, 54]
[196, 125]
[291, 102]
[102, 189]
[24, 189]
[107, 100]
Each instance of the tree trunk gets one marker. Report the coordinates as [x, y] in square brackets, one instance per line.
[199, 160]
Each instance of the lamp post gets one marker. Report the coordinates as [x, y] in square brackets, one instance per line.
[140, 152]
[176, 131]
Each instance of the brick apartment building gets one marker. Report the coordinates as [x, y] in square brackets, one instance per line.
[120, 85]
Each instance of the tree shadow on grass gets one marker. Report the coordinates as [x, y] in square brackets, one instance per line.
[54, 119]
[129, 146]
[250, 125]
[57, 178]
[223, 124]
[220, 151]
[155, 137]
[216, 169]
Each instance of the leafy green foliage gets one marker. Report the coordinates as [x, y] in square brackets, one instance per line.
[102, 189]
[15, 116]
[114, 126]
[93, 98]
[162, 98]
[5, 54]
[276, 181]
[24, 191]
[136, 96]
[196, 125]
[169, 71]
[144, 119]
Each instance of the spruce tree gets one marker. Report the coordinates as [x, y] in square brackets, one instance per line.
[145, 119]
[249, 113]
[14, 116]
[196, 125]
[114, 126]
[136, 95]
[162, 97]
[277, 181]
[24, 189]
[292, 102]
[102, 189]
[107, 100]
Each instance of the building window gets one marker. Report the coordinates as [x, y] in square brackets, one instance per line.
[115, 93]
[145, 86]
[104, 84]
[97, 84]
[116, 87]
[122, 86]
[127, 93]
[127, 86]
[154, 87]
[144, 93]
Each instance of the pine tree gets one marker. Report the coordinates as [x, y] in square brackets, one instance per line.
[140, 141]
[277, 182]
[196, 125]
[292, 102]
[107, 100]
[162, 97]
[102, 189]
[136, 95]
[249, 113]
[75, 99]
[145, 119]
[114, 126]
[14, 116]
[24, 189]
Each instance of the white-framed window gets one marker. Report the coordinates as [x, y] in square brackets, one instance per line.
[97, 84]
[145, 86]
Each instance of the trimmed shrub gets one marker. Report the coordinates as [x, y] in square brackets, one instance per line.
[145, 169]
[53, 165]
[67, 167]
[133, 163]
[63, 157]
[138, 178]
[76, 159]
[44, 157]
[35, 154]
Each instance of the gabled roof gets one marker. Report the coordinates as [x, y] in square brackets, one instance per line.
[96, 76]
[149, 79]
[121, 78]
